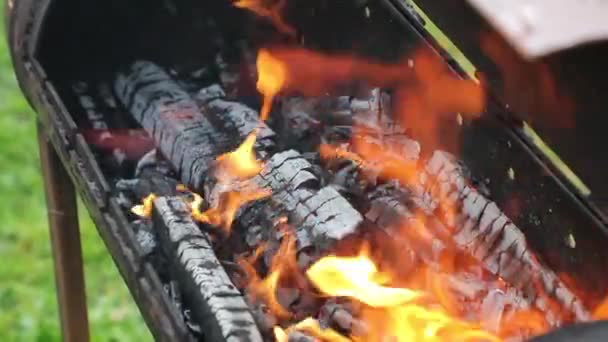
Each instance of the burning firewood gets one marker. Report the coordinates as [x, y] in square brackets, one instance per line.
[217, 304]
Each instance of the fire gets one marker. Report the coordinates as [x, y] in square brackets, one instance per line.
[283, 265]
[373, 156]
[280, 335]
[271, 79]
[268, 9]
[356, 277]
[311, 327]
[229, 203]
[391, 312]
[144, 209]
[240, 163]
[424, 89]
[232, 168]
[601, 311]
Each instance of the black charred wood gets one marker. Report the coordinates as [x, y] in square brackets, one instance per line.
[319, 216]
[425, 238]
[235, 118]
[189, 132]
[483, 230]
[323, 213]
[218, 306]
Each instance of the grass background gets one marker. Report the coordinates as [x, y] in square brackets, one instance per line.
[28, 308]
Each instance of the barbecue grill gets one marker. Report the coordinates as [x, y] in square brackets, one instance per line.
[144, 100]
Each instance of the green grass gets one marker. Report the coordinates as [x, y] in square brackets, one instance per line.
[28, 308]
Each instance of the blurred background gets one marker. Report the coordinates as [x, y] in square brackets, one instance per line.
[28, 308]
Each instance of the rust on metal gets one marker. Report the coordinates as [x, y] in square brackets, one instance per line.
[65, 243]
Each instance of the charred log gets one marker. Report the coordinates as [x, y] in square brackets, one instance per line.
[319, 216]
[217, 304]
[482, 229]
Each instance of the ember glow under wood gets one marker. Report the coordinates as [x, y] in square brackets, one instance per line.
[197, 132]
[481, 228]
[217, 304]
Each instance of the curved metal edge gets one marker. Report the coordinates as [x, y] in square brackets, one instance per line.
[537, 28]
[23, 20]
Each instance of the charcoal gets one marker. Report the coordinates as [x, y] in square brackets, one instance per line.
[263, 317]
[487, 233]
[145, 236]
[172, 289]
[149, 182]
[335, 314]
[152, 160]
[235, 118]
[298, 336]
[216, 303]
[322, 216]
[98, 122]
[87, 102]
[299, 127]
[295, 195]
[389, 213]
[182, 133]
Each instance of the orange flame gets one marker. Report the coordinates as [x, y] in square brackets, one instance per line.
[390, 312]
[601, 311]
[283, 264]
[268, 9]
[231, 167]
[144, 209]
[271, 79]
[425, 90]
[373, 156]
[240, 163]
[229, 203]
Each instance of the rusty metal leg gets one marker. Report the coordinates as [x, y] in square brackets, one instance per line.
[65, 242]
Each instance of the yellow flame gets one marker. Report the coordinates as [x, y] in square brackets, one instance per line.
[355, 277]
[144, 209]
[240, 163]
[272, 76]
[390, 312]
[311, 327]
[279, 334]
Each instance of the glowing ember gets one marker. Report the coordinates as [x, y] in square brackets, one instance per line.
[268, 9]
[373, 156]
[282, 265]
[144, 209]
[271, 79]
[601, 311]
[356, 277]
[229, 203]
[390, 312]
[240, 163]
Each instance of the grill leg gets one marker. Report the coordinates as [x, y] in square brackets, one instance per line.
[65, 242]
